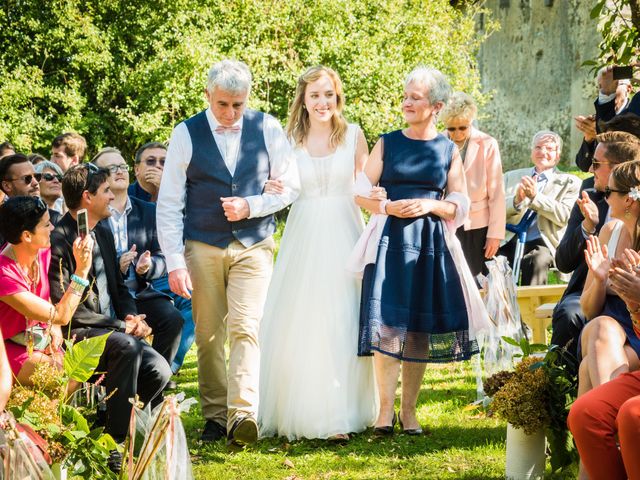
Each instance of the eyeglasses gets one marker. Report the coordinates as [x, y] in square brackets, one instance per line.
[608, 191]
[49, 177]
[463, 128]
[27, 179]
[153, 161]
[596, 165]
[113, 169]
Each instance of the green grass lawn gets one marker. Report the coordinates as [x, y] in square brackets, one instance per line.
[459, 444]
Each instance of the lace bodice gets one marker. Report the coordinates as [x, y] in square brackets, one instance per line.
[331, 175]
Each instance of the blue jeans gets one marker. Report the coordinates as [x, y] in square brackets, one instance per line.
[188, 328]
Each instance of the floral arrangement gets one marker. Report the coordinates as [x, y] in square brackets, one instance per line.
[538, 394]
[43, 407]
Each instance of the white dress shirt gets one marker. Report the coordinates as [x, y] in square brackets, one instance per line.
[172, 195]
[118, 224]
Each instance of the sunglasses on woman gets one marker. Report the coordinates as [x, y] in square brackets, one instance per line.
[463, 128]
[608, 191]
[48, 177]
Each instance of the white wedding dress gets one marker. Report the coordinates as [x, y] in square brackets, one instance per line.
[312, 383]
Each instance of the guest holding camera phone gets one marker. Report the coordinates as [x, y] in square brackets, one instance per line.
[30, 323]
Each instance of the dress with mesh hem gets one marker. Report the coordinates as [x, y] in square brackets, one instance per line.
[413, 306]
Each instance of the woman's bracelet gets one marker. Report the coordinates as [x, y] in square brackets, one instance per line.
[77, 285]
[383, 206]
[82, 281]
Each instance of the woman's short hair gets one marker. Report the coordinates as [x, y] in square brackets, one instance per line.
[434, 80]
[557, 139]
[461, 105]
[231, 76]
[47, 164]
[19, 214]
[298, 123]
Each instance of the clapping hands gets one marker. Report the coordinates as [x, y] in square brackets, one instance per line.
[625, 279]
[597, 258]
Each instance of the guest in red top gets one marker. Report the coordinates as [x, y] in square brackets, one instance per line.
[30, 323]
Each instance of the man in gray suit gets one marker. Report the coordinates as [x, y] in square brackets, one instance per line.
[550, 195]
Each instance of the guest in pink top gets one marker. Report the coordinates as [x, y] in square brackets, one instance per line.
[30, 324]
[481, 234]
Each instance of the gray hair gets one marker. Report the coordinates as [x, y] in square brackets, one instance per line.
[231, 76]
[434, 80]
[547, 133]
[40, 167]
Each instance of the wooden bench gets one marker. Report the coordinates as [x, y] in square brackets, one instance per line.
[536, 307]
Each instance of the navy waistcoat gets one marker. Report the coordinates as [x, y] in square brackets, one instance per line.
[208, 179]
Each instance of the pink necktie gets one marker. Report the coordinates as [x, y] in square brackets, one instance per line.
[231, 129]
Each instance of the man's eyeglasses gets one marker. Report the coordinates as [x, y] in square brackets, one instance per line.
[49, 177]
[462, 128]
[596, 165]
[113, 169]
[540, 148]
[153, 161]
[27, 179]
[608, 191]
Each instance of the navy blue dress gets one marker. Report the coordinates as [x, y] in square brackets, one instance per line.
[412, 304]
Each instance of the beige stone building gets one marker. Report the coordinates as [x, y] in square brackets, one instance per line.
[532, 69]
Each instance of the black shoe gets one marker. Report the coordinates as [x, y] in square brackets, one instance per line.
[410, 431]
[171, 385]
[213, 432]
[386, 431]
[114, 462]
[244, 432]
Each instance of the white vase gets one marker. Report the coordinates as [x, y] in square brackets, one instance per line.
[525, 454]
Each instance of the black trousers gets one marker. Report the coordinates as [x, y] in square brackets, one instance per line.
[536, 261]
[472, 243]
[166, 322]
[132, 367]
[567, 323]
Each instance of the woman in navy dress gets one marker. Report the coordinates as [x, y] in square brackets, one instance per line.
[413, 307]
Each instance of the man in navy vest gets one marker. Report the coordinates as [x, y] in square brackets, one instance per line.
[215, 228]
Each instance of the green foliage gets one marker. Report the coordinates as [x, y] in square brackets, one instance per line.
[125, 72]
[81, 359]
[619, 23]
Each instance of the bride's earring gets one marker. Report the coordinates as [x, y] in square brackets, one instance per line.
[626, 213]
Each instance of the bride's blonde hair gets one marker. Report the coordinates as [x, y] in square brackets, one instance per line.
[298, 124]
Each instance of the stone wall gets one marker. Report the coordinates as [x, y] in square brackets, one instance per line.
[531, 67]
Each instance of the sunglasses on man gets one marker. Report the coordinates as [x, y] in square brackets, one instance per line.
[27, 179]
[153, 161]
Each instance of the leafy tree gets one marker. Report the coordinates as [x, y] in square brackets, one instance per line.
[125, 72]
[619, 23]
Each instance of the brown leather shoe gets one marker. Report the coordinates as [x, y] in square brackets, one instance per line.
[243, 432]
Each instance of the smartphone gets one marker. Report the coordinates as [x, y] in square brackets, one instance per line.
[83, 223]
[620, 73]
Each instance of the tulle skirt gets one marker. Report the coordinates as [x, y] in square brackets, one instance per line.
[312, 383]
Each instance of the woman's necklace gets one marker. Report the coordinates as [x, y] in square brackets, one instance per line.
[32, 275]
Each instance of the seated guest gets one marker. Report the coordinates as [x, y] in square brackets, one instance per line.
[131, 365]
[589, 125]
[608, 342]
[51, 185]
[36, 158]
[68, 149]
[6, 149]
[30, 323]
[550, 194]
[6, 377]
[148, 170]
[482, 233]
[18, 176]
[149, 164]
[588, 215]
[133, 224]
[612, 410]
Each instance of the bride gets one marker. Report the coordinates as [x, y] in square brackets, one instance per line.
[312, 383]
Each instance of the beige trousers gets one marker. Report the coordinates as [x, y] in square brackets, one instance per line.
[229, 291]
